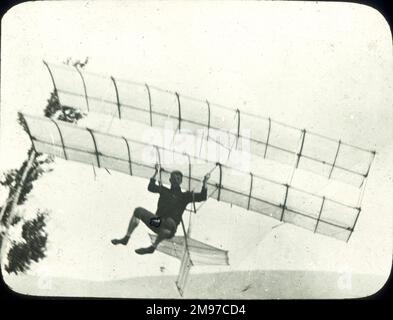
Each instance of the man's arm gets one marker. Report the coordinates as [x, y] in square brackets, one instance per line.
[202, 196]
[152, 187]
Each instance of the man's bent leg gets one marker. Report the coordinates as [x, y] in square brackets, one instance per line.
[139, 214]
[166, 232]
[163, 234]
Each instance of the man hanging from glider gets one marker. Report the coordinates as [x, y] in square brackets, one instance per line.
[171, 205]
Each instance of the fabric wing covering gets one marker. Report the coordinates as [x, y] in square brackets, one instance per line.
[268, 138]
[230, 185]
[200, 253]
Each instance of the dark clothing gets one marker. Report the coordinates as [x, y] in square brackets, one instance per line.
[147, 217]
[173, 202]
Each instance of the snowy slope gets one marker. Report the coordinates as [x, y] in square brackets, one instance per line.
[228, 285]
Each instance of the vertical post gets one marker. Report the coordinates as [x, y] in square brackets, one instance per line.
[194, 207]
[186, 261]
[373, 153]
[362, 189]
[200, 148]
[189, 187]
[319, 215]
[208, 119]
[249, 195]
[365, 176]
[185, 236]
[285, 202]
[301, 148]
[189, 172]
[220, 181]
[129, 155]
[354, 224]
[179, 109]
[150, 107]
[238, 126]
[84, 87]
[61, 138]
[268, 137]
[51, 76]
[95, 147]
[184, 271]
[192, 192]
[117, 96]
[335, 158]
[364, 182]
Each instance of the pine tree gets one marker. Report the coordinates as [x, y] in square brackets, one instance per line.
[12, 180]
[22, 254]
[33, 246]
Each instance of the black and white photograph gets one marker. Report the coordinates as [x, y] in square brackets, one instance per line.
[196, 150]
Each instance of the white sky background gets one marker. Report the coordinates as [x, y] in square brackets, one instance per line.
[326, 67]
